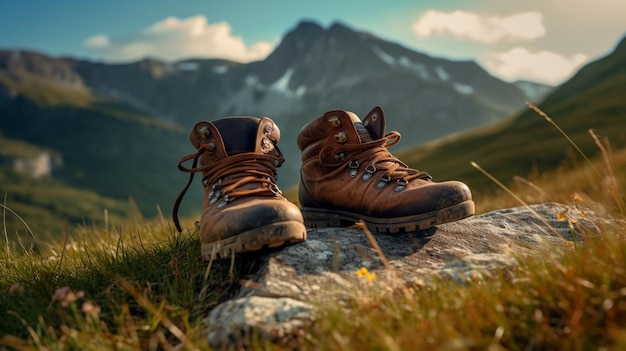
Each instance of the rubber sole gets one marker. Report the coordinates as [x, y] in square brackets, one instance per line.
[322, 218]
[269, 236]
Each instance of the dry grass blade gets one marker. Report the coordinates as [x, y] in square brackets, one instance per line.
[524, 203]
[374, 243]
[4, 228]
[549, 120]
[392, 270]
[167, 323]
[23, 222]
[611, 178]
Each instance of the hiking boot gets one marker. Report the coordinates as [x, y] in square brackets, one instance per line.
[243, 209]
[348, 175]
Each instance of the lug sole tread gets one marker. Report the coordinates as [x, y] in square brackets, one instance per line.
[323, 218]
[269, 236]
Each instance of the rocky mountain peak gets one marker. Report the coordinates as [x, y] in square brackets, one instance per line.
[314, 69]
[305, 30]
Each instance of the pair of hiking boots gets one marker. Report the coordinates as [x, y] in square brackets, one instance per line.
[347, 175]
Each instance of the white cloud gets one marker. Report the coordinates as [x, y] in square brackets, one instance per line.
[541, 66]
[484, 29]
[174, 39]
[98, 41]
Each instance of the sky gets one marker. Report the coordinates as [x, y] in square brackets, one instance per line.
[545, 41]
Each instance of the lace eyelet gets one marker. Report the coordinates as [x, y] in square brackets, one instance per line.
[335, 121]
[383, 182]
[217, 184]
[266, 145]
[341, 137]
[354, 169]
[401, 184]
[225, 200]
[369, 171]
[275, 190]
[340, 156]
[210, 148]
[204, 132]
[214, 196]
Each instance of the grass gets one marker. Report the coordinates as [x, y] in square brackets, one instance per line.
[52, 206]
[100, 146]
[138, 285]
[125, 288]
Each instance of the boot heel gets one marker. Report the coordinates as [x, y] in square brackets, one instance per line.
[316, 218]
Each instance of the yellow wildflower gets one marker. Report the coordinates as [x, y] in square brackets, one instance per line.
[364, 273]
[578, 198]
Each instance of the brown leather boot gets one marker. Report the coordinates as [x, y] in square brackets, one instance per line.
[348, 175]
[243, 208]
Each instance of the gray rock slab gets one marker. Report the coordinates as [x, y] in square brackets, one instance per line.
[327, 264]
[334, 263]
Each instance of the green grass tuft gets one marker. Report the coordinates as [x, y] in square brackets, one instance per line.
[129, 286]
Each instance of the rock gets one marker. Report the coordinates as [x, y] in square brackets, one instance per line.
[37, 166]
[235, 323]
[337, 263]
[326, 265]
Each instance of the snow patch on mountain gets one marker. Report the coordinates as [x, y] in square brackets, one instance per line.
[282, 85]
[441, 73]
[463, 88]
[385, 57]
[220, 69]
[417, 67]
[300, 91]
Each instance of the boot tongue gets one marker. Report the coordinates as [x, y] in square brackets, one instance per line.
[374, 122]
[364, 134]
[238, 134]
[373, 125]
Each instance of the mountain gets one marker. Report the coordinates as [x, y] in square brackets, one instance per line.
[312, 70]
[57, 135]
[526, 142]
[119, 129]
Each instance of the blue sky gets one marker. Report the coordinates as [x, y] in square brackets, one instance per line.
[540, 40]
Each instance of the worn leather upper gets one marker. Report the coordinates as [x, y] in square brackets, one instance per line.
[346, 166]
[238, 158]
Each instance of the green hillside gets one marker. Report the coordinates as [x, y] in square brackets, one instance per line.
[526, 143]
[109, 151]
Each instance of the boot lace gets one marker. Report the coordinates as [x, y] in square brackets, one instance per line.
[228, 177]
[378, 158]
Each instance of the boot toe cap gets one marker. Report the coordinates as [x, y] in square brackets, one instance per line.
[249, 215]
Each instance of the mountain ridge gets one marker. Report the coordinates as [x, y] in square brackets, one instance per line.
[312, 70]
[526, 142]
